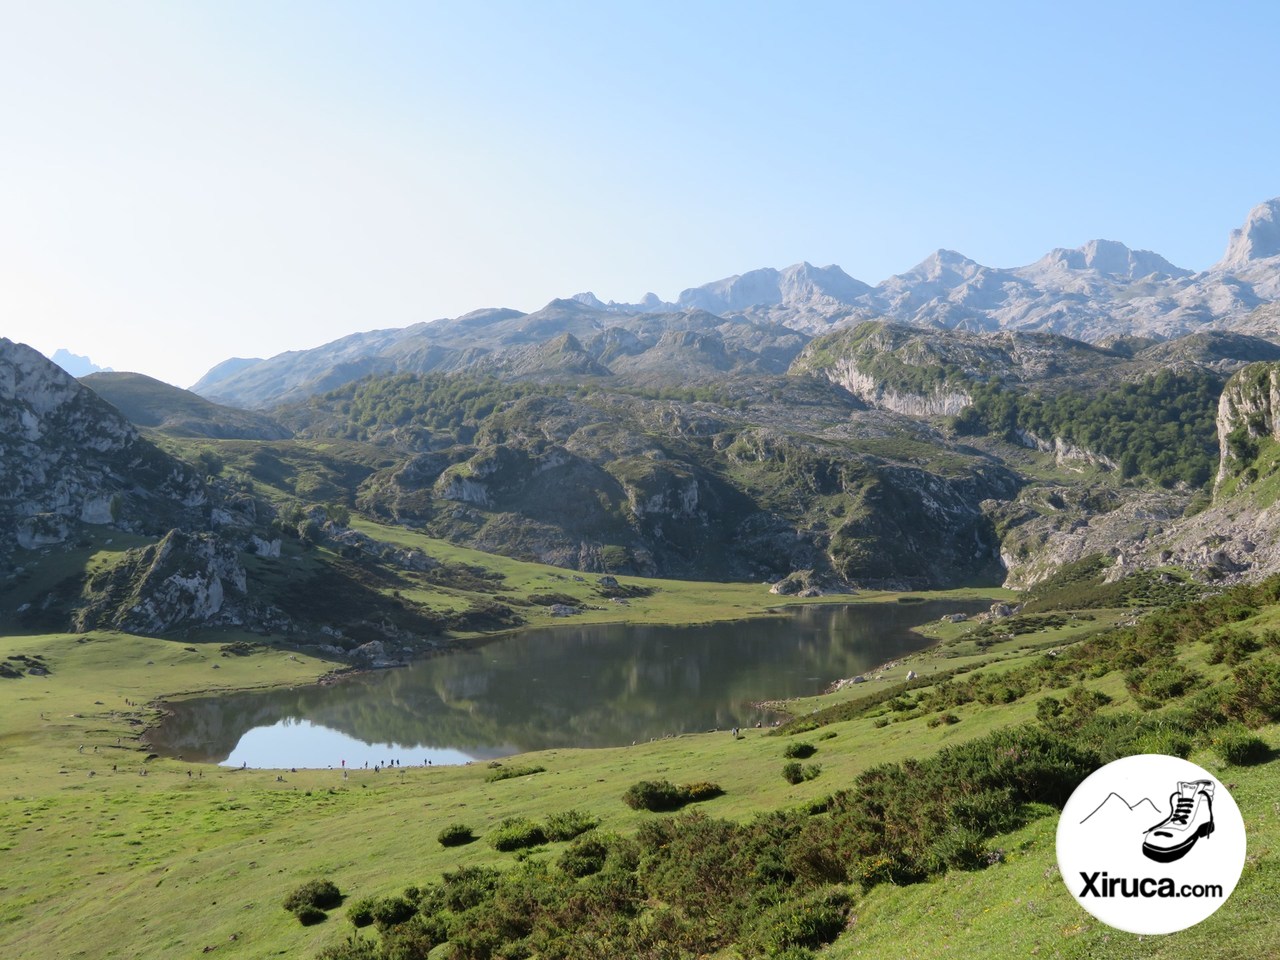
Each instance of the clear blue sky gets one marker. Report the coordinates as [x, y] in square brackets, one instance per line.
[185, 182]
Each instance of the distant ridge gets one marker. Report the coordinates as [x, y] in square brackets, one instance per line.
[1099, 291]
[75, 364]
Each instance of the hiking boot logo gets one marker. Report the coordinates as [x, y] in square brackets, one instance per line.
[1127, 858]
[1190, 818]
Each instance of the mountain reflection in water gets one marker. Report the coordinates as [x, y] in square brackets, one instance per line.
[563, 686]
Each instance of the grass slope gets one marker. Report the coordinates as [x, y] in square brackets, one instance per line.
[102, 862]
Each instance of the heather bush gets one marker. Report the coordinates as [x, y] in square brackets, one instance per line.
[455, 835]
[516, 833]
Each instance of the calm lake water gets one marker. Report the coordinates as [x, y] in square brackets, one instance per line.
[562, 686]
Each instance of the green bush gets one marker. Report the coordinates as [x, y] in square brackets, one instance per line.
[455, 835]
[1231, 646]
[799, 751]
[389, 911]
[663, 795]
[1171, 742]
[516, 833]
[584, 857]
[510, 773]
[321, 894]
[943, 719]
[1236, 745]
[794, 773]
[309, 916]
[413, 939]
[360, 913]
[655, 795]
[567, 825]
[354, 947]
[702, 790]
[809, 923]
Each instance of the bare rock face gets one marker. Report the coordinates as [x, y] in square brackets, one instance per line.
[68, 457]
[1258, 239]
[1249, 409]
[183, 580]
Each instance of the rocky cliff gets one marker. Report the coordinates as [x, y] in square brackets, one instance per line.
[183, 580]
[1248, 411]
[1235, 537]
[69, 458]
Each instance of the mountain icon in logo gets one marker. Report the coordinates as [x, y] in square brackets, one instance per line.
[1116, 809]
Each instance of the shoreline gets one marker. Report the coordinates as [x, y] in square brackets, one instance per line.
[162, 707]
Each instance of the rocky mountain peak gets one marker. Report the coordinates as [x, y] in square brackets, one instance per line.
[75, 364]
[1258, 239]
[942, 266]
[1108, 257]
[29, 378]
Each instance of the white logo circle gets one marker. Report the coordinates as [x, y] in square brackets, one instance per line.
[1151, 844]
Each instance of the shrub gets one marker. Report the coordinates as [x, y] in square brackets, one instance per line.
[1174, 743]
[413, 939]
[943, 719]
[793, 773]
[799, 751]
[354, 947]
[702, 790]
[1235, 745]
[463, 889]
[1256, 695]
[812, 808]
[455, 835]
[360, 913]
[389, 911]
[794, 726]
[584, 857]
[321, 894]
[1231, 646]
[808, 923]
[309, 916]
[567, 825]
[1154, 685]
[516, 833]
[510, 773]
[663, 795]
[656, 795]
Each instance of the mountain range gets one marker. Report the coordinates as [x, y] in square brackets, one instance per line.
[760, 320]
[659, 439]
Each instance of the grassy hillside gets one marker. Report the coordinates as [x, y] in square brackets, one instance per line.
[103, 862]
[148, 402]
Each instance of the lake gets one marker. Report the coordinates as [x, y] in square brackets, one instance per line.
[562, 686]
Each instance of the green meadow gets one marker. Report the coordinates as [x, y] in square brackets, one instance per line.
[108, 851]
